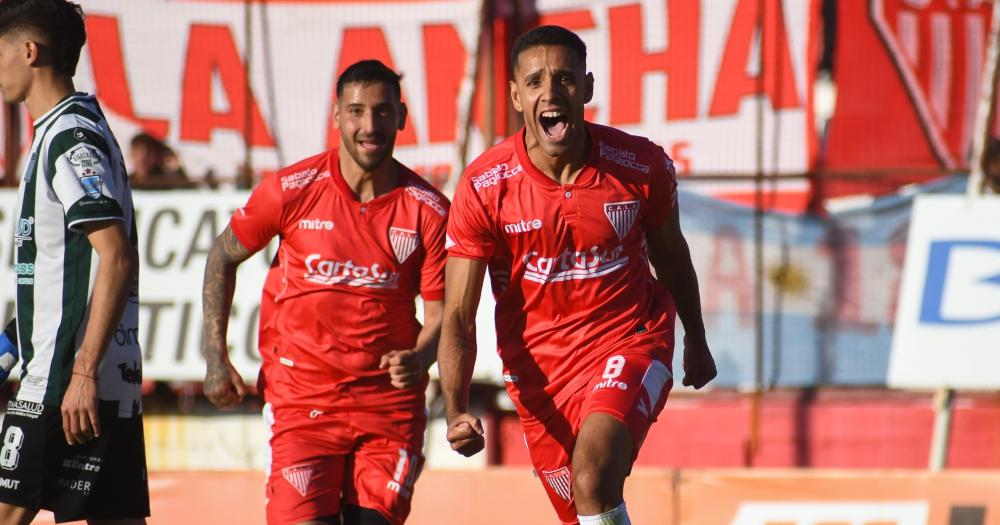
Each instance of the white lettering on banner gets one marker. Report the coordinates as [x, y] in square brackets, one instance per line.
[570, 264]
[847, 512]
[327, 271]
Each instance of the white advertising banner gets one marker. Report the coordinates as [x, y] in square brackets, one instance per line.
[176, 231]
[947, 329]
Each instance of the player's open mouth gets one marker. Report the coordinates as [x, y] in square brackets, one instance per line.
[371, 145]
[555, 124]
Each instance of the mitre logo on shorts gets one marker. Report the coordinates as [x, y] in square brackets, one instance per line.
[622, 216]
[299, 477]
[559, 480]
[573, 265]
[403, 242]
[328, 271]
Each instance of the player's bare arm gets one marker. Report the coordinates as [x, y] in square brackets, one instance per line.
[223, 384]
[407, 367]
[671, 258]
[457, 352]
[116, 271]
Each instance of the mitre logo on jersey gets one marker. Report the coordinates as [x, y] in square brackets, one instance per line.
[559, 480]
[403, 242]
[328, 271]
[315, 224]
[299, 477]
[622, 216]
[86, 162]
[573, 265]
[936, 79]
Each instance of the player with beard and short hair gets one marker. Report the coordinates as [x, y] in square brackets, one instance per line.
[344, 358]
[567, 216]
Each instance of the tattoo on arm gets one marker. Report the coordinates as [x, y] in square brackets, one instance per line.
[217, 292]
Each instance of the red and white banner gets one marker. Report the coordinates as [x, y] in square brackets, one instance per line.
[908, 74]
[179, 70]
[685, 73]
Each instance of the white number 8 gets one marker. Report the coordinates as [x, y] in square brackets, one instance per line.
[12, 442]
[614, 368]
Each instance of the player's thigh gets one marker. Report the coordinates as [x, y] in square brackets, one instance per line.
[307, 468]
[631, 387]
[550, 450]
[104, 478]
[29, 433]
[386, 464]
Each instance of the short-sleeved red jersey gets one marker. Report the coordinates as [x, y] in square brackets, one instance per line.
[567, 262]
[349, 273]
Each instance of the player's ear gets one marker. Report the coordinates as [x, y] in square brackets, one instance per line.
[31, 52]
[336, 114]
[514, 98]
[402, 116]
[590, 87]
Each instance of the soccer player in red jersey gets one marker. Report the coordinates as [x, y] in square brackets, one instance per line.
[345, 359]
[567, 216]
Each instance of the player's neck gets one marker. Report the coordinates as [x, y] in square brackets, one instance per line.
[47, 90]
[564, 168]
[368, 185]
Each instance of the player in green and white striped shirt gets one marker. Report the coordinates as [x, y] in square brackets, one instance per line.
[72, 437]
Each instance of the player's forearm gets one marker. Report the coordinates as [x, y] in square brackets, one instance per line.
[217, 301]
[430, 334]
[456, 359]
[116, 271]
[680, 278]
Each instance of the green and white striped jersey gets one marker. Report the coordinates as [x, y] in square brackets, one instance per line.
[74, 174]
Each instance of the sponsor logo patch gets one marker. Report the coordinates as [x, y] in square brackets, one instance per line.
[427, 197]
[86, 162]
[299, 477]
[22, 232]
[327, 271]
[315, 224]
[403, 242]
[622, 157]
[494, 175]
[523, 226]
[301, 179]
[573, 265]
[622, 216]
[24, 408]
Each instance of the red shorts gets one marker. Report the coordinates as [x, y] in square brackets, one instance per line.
[631, 386]
[320, 461]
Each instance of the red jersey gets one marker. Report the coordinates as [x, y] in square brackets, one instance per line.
[567, 262]
[350, 272]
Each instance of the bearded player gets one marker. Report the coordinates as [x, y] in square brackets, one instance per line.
[345, 359]
[567, 215]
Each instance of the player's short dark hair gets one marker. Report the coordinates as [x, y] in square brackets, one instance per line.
[369, 72]
[58, 22]
[549, 36]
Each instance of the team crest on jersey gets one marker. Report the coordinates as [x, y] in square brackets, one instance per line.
[86, 162]
[403, 242]
[622, 216]
[299, 476]
[559, 480]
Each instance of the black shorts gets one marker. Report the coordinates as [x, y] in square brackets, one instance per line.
[104, 478]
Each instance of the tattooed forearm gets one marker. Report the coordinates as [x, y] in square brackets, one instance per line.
[217, 293]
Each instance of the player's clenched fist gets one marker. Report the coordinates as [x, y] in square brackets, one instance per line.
[223, 384]
[465, 433]
[699, 366]
[405, 368]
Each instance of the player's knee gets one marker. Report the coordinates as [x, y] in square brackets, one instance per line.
[595, 485]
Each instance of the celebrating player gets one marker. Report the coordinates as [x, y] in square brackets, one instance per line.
[345, 357]
[567, 215]
[72, 436]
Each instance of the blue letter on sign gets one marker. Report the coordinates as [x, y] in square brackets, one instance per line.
[937, 273]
